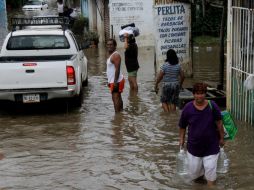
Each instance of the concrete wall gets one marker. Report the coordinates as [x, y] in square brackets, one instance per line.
[92, 12]
[139, 12]
[100, 21]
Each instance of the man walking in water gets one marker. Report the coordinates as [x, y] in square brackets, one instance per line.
[114, 75]
[131, 60]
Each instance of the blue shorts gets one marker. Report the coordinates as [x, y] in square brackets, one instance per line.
[170, 92]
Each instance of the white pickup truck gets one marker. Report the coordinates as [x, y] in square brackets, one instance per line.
[41, 62]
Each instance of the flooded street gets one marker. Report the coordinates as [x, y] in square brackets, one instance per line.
[92, 148]
[56, 147]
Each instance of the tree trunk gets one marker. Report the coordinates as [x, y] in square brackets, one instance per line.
[203, 8]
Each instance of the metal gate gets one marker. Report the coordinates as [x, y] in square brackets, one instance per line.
[240, 60]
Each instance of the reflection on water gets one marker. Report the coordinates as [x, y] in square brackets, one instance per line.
[206, 63]
[94, 148]
[53, 147]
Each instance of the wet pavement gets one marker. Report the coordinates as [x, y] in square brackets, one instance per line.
[55, 146]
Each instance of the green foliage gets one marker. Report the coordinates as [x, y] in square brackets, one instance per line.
[91, 36]
[210, 24]
[79, 25]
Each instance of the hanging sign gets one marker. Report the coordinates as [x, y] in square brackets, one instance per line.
[172, 31]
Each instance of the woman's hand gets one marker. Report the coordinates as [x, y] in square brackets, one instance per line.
[181, 143]
[126, 35]
[222, 142]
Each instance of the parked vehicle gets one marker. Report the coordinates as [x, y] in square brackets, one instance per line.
[34, 5]
[42, 62]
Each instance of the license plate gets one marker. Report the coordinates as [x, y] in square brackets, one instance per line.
[31, 98]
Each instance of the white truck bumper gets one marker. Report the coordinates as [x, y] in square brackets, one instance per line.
[36, 95]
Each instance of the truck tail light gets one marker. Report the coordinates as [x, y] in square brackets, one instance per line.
[70, 75]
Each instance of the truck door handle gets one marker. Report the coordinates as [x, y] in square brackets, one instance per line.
[30, 71]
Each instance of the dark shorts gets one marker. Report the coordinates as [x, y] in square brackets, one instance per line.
[170, 93]
[133, 73]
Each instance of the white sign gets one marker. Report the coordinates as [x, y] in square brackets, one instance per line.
[124, 12]
[172, 31]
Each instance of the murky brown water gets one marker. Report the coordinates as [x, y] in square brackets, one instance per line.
[206, 65]
[53, 146]
[92, 148]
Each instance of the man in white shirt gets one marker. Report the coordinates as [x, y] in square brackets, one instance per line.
[114, 75]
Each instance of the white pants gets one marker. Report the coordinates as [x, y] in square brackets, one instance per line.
[199, 166]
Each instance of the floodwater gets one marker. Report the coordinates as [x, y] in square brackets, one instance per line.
[206, 65]
[54, 146]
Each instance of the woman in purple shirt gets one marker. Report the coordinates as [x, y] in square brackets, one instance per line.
[205, 134]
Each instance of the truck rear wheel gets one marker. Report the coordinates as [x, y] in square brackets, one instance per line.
[85, 82]
[77, 101]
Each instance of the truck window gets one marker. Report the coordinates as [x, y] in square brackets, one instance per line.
[38, 42]
[75, 41]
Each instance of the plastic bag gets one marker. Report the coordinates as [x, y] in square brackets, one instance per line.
[249, 82]
[74, 14]
[132, 31]
[230, 128]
